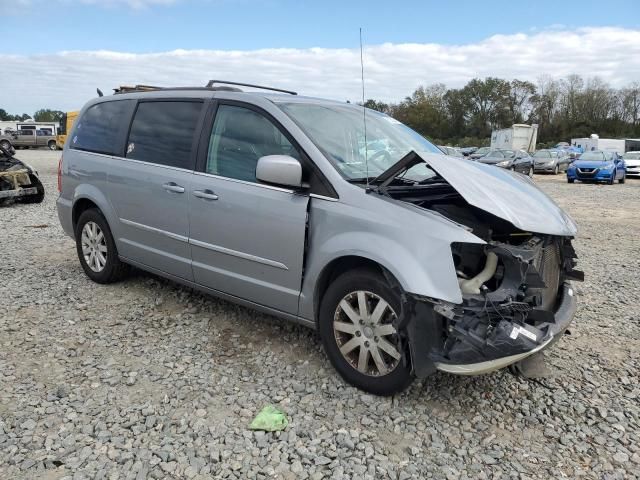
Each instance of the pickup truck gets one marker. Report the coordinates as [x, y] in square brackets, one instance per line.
[28, 138]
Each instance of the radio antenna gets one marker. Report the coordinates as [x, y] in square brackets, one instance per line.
[364, 114]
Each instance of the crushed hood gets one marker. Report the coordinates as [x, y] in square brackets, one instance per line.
[507, 195]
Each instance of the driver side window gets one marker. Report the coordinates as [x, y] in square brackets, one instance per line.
[241, 136]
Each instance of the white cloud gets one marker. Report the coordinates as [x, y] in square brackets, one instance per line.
[66, 80]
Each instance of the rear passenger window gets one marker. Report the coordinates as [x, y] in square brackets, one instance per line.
[162, 133]
[241, 136]
[102, 127]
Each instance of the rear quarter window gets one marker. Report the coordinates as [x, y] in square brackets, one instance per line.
[163, 132]
[102, 127]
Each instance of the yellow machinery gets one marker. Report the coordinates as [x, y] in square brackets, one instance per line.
[66, 122]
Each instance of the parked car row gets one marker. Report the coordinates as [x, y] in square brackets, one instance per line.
[593, 166]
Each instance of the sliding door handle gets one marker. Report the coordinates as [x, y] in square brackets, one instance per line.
[205, 194]
[173, 187]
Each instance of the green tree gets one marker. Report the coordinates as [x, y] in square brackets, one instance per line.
[46, 115]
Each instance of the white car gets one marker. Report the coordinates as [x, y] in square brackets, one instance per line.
[632, 162]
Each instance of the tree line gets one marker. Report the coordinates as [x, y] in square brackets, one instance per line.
[42, 115]
[563, 109]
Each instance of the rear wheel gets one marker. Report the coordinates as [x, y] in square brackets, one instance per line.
[52, 145]
[97, 250]
[356, 327]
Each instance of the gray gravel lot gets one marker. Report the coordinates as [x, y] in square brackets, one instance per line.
[147, 379]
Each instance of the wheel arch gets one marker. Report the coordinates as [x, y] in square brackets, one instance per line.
[337, 267]
[89, 196]
[81, 205]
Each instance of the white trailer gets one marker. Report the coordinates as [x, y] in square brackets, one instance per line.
[518, 137]
[594, 142]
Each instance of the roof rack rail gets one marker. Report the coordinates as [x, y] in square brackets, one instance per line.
[213, 82]
[136, 88]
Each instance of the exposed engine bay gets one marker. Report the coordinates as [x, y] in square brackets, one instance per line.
[18, 181]
[514, 289]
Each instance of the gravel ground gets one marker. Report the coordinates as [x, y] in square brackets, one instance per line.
[146, 379]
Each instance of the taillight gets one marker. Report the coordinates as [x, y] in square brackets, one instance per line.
[60, 175]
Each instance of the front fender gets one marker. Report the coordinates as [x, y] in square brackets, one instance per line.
[413, 245]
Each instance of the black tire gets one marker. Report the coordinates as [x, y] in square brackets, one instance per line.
[613, 178]
[367, 280]
[622, 180]
[530, 172]
[570, 180]
[114, 270]
[6, 144]
[556, 169]
[52, 145]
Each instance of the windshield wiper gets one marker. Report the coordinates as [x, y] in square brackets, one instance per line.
[361, 179]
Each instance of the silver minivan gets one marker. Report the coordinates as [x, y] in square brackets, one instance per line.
[405, 260]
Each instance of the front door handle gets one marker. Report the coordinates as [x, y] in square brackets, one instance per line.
[205, 194]
[173, 187]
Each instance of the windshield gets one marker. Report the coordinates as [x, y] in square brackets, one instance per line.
[542, 154]
[631, 156]
[338, 131]
[598, 156]
[482, 150]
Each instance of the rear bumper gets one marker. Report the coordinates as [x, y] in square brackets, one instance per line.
[562, 319]
[65, 216]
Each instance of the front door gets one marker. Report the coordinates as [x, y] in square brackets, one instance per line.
[247, 238]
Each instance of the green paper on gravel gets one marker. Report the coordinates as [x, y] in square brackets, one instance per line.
[270, 419]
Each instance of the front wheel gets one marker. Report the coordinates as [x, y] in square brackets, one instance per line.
[624, 177]
[97, 250]
[570, 180]
[5, 144]
[556, 170]
[356, 328]
[530, 173]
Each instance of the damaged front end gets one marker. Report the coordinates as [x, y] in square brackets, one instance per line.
[515, 289]
[517, 299]
[516, 305]
[18, 181]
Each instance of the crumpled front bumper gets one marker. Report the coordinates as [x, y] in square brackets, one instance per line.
[562, 318]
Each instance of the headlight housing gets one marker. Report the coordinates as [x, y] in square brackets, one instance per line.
[607, 168]
[503, 163]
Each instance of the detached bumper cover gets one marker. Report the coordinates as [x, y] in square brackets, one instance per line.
[513, 337]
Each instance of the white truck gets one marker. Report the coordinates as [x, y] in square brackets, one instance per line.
[519, 137]
[594, 142]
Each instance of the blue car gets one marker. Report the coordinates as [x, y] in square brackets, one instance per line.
[597, 166]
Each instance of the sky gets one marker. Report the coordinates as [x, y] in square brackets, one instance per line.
[56, 52]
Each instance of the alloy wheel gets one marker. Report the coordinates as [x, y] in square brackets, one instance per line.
[366, 338]
[94, 246]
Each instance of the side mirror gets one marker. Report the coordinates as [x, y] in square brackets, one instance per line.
[281, 170]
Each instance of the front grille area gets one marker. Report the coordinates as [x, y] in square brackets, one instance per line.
[587, 172]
